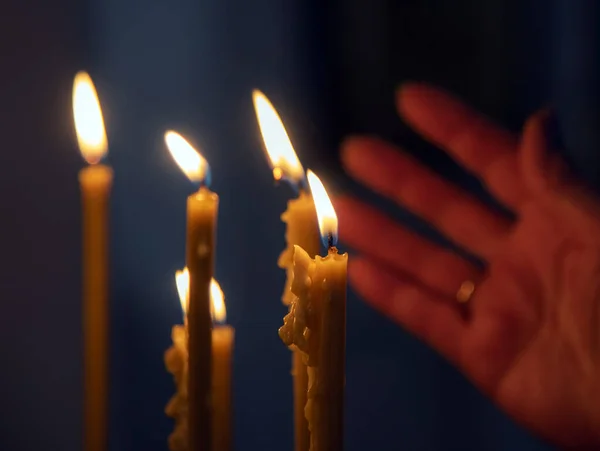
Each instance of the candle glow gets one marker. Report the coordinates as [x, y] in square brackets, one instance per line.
[182, 280]
[328, 221]
[217, 307]
[89, 124]
[193, 165]
[281, 153]
[217, 303]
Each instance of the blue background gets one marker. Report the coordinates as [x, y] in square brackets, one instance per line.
[330, 69]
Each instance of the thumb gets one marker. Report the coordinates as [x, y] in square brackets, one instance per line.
[548, 178]
[542, 170]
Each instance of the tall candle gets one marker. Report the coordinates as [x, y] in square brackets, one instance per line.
[201, 224]
[95, 181]
[316, 326]
[301, 229]
[176, 361]
[202, 208]
[222, 347]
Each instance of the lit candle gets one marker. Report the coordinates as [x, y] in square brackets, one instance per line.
[301, 230]
[222, 347]
[316, 325]
[96, 182]
[176, 358]
[176, 361]
[202, 208]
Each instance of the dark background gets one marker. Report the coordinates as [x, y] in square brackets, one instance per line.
[331, 69]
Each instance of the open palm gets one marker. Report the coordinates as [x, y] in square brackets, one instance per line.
[529, 335]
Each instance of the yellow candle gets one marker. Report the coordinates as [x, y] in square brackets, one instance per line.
[202, 210]
[96, 182]
[222, 347]
[176, 361]
[316, 326]
[301, 230]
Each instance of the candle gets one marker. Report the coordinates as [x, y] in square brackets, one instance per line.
[301, 230]
[95, 181]
[222, 346]
[202, 208]
[176, 358]
[176, 362]
[316, 326]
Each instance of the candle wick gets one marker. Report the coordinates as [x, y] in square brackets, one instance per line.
[303, 185]
[330, 240]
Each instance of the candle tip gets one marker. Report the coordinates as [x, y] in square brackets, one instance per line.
[89, 123]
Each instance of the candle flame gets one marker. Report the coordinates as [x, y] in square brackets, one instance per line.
[281, 153]
[217, 303]
[89, 124]
[328, 221]
[182, 280]
[217, 299]
[194, 165]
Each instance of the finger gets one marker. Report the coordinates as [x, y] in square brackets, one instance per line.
[370, 232]
[458, 215]
[432, 319]
[548, 177]
[482, 147]
[537, 173]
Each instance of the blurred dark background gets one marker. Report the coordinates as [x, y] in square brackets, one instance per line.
[330, 68]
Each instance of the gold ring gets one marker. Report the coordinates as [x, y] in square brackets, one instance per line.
[465, 292]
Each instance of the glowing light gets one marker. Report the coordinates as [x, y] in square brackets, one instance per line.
[281, 153]
[182, 280]
[217, 299]
[194, 166]
[217, 302]
[328, 221]
[89, 124]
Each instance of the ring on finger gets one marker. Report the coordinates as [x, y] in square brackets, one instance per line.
[465, 292]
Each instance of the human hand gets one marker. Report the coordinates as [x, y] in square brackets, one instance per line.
[531, 338]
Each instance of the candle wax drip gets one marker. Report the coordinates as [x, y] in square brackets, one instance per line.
[301, 229]
[176, 361]
[316, 316]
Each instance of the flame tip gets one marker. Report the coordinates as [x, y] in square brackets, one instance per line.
[182, 281]
[189, 160]
[87, 115]
[328, 222]
[217, 298]
[277, 143]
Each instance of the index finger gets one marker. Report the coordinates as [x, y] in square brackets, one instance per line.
[474, 141]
